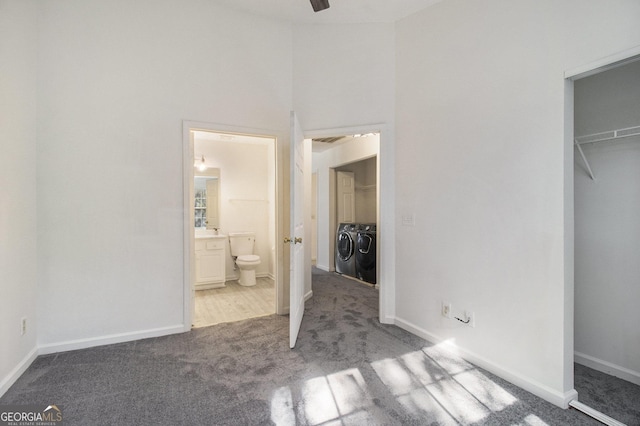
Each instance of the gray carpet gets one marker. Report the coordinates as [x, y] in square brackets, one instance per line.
[614, 397]
[347, 369]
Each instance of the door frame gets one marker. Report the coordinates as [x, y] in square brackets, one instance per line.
[281, 306]
[570, 76]
[385, 210]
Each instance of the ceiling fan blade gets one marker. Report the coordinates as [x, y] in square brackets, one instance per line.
[319, 5]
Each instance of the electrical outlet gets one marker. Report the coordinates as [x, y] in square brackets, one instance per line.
[471, 317]
[23, 326]
[446, 309]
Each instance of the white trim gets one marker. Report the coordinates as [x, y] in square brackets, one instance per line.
[607, 368]
[188, 239]
[91, 342]
[323, 267]
[17, 371]
[308, 295]
[562, 400]
[604, 64]
[389, 319]
[236, 277]
[603, 418]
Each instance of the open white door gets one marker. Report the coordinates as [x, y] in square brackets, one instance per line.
[296, 283]
[346, 197]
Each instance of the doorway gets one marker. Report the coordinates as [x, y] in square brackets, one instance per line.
[607, 234]
[605, 183]
[240, 168]
[347, 169]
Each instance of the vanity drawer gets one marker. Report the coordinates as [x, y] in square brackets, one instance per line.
[210, 244]
[215, 244]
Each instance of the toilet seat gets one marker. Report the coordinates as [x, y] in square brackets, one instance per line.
[249, 258]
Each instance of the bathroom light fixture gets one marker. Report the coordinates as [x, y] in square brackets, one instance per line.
[201, 165]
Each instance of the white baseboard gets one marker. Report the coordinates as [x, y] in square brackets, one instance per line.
[236, 277]
[607, 367]
[308, 295]
[323, 268]
[389, 319]
[91, 342]
[19, 369]
[557, 398]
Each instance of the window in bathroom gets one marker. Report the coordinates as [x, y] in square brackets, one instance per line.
[200, 208]
[206, 201]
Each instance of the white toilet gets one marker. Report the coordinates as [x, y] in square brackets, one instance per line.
[242, 244]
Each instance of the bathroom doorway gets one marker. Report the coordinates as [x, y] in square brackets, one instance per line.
[232, 192]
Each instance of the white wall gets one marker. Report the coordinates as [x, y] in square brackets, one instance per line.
[480, 148]
[343, 74]
[355, 150]
[344, 77]
[18, 261]
[245, 201]
[365, 177]
[111, 106]
[607, 283]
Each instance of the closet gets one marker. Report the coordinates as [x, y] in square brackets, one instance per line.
[607, 222]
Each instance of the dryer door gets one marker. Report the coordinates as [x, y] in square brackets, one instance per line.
[344, 246]
[366, 257]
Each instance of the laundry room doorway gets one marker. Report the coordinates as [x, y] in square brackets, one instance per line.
[347, 169]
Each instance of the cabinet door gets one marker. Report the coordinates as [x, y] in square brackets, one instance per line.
[210, 266]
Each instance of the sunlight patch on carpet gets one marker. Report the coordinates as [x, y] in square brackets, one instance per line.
[341, 396]
[438, 384]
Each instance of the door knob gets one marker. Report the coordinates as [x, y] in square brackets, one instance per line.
[287, 240]
[297, 240]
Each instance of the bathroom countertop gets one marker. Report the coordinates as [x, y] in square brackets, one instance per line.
[200, 235]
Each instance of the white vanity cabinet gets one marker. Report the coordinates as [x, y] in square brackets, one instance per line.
[210, 262]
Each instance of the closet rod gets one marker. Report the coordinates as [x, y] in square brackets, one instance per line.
[607, 136]
[602, 137]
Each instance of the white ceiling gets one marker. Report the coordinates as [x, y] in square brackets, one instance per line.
[341, 11]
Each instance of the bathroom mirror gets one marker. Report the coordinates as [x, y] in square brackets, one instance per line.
[206, 194]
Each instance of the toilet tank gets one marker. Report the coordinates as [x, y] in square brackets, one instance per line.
[241, 243]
